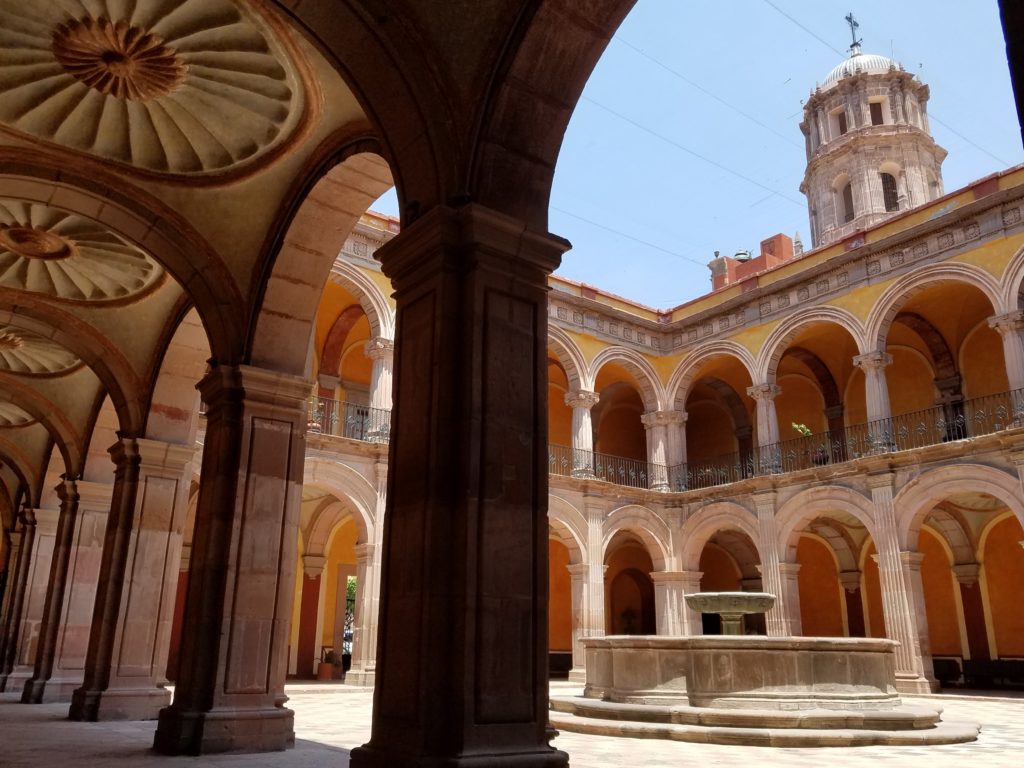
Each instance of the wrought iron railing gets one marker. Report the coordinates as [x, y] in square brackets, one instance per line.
[357, 422]
[918, 429]
[568, 462]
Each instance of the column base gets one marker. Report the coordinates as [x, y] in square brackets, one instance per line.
[271, 729]
[912, 684]
[368, 756]
[118, 704]
[18, 679]
[361, 677]
[52, 690]
[578, 675]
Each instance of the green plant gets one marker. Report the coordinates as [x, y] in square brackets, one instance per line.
[802, 429]
[332, 658]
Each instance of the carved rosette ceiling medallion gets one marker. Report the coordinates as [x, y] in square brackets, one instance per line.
[24, 352]
[13, 416]
[66, 256]
[172, 87]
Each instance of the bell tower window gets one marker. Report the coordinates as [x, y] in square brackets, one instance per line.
[889, 193]
[847, 195]
[876, 113]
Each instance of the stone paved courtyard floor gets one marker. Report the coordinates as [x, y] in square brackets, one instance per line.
[331, 719]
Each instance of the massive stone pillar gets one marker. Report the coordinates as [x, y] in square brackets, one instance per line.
[588, 588]
[462, 660]
[230, 689]
[15, 597]
[22, 652]
[898, 603]
[581, 403]
[1011, 329]
[382, 352]
[74, 576]
[779, 620]
[134, 608]
[368, 570]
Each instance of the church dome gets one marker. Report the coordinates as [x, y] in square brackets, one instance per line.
[860, 62]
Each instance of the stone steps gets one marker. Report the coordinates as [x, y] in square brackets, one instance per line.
[907, 725]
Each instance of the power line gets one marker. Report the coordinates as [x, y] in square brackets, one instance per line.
[606, 228]
[689, 151]
[931, 115]
[675, 73]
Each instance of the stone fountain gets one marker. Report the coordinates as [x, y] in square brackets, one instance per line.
[749, 689]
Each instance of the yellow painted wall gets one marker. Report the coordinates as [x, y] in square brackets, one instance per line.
[821, 607]
[939, 599]
[342, 551]
[982, 364]
[911, 381]
[559, 598]
[799, 401]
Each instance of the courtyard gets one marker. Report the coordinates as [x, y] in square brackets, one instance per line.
[331, 719]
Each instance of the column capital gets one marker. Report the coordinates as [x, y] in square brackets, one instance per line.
[380, 348]
[364, 553]
[94, 496]
[967, 573]
[872, 361]
[67, 490]
[313, 565]
[578, 570]
[328, 380]
[911, 559]
[880, 481]
[764, 391]
[834, 411]
[582, 398]
[662, 418]
[682, 578]
[1007, 323]
[789, 569]
[850, 580]
[246, 383]
[45, 520]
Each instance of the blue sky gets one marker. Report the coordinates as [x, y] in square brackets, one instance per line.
[687, 137]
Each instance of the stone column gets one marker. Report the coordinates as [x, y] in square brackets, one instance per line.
[15, 601]
[74, 575]
[1011, 329]
[581, 401]
[779, 618]
[364, 652]
[897, 600]
[34, 601]
[657, 424]
[382, 352]
[462, 676]
[877, 394]
[911, 562]
[578, 575]
[308, 650]
[125, 670]
[590, 602]
[764, 396]
[13, 550]
[234, 656]
[674, 617]
[967, 577]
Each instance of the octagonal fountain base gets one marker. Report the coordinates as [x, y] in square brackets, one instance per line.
[791, 691]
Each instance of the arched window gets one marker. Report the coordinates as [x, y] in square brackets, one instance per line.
[847, 195]
[889, 194]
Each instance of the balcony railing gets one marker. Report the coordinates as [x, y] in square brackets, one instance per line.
[932, 426]
[344, 419]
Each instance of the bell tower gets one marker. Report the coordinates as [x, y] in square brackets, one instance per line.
[870, 153]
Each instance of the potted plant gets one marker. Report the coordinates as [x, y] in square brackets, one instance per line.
[325, 669]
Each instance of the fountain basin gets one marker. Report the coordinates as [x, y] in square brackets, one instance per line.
[731, 606]
[752, 672]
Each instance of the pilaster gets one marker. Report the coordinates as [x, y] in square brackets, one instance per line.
[1011, 330]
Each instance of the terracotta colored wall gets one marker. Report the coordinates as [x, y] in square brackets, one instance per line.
[939, 599]
[709, 431]
[821, 607]
[981, 363]
[855, 409]
[721, 573]
[176, 626]
[559, 417]
[872, 595]
[800, 401]
[619, 429]
[342, 551]
[559, 598]
[1003, 564]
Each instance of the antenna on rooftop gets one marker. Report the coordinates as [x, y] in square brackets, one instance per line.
[854, 26]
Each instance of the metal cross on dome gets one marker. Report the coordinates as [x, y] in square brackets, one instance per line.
[854, 26]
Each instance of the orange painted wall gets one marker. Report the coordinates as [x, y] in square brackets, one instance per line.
[559, 598]
[939, 599]
[982, 364]
[619, 594]
[1003, 563]
[855, 409]
[871, 592]
[619, 429]
[821, 607]
[799, 401]
[709, 431]
[559, 417]
[342, 551]
[721, 573]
